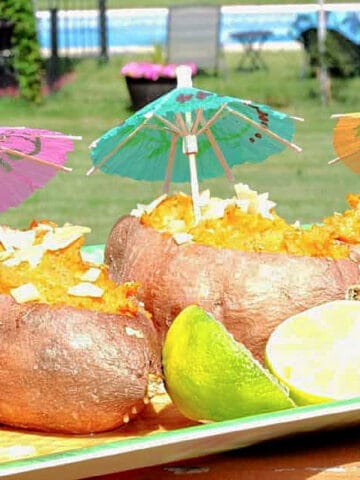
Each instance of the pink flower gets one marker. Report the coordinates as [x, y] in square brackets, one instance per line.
[152, 71]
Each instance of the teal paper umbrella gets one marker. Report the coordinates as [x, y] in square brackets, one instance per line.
[190, 134]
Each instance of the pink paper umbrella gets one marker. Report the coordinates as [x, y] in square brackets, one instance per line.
[29, 158]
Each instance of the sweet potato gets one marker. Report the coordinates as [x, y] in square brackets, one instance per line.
[249, 292]
[70, 370]
[77, 350]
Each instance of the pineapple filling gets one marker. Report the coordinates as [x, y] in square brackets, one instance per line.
[248, 222]
[43, 264]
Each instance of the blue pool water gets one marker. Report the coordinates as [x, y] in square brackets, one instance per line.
[147, 27]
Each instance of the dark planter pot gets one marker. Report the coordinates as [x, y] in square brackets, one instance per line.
[143, 91]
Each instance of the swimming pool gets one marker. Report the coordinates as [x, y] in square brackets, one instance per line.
[131, 28]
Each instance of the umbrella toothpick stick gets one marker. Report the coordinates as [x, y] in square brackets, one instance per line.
[190, 148]
[35, 159]
[194, 187]
[190, 144]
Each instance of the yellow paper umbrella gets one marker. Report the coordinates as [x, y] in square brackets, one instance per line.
[346, 140]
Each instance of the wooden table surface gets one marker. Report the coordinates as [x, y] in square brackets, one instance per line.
[327, 455]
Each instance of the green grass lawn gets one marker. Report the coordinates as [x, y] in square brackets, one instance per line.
[303, 185]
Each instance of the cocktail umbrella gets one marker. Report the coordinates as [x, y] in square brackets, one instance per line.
[215, 132]
[346, 140]
[29, 158]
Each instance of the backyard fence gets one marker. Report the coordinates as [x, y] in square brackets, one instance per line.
[82, 34]
[73, 29]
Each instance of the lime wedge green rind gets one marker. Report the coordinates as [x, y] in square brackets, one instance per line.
[211, 377]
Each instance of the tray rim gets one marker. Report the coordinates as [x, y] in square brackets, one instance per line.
[253, 422]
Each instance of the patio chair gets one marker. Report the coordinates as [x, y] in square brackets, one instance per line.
[342, 46]
[342, 56]
[193, 35]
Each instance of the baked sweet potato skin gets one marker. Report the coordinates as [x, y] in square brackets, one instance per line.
[251, 293]
[74, 371]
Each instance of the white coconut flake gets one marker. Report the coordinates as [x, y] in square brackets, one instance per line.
[204, 198]
[244, 191]
[251, 202]
[183, 237]
[25, 293]
[62, 237]
[16, 239]
[142, 208]
[85, 289]
[243, 204]
[33, 255]
[5, 255]
[91, 275]
[43, 227]
[264, 205]
[215, 208]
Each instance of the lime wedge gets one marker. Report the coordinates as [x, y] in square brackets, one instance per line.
[316, 353]
[210, 376]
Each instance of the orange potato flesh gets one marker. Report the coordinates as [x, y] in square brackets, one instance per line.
[251, 232]
[63, 268]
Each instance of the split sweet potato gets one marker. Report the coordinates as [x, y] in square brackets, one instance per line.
[249, 292]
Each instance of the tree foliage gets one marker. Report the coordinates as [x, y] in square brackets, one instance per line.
[25, 47]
